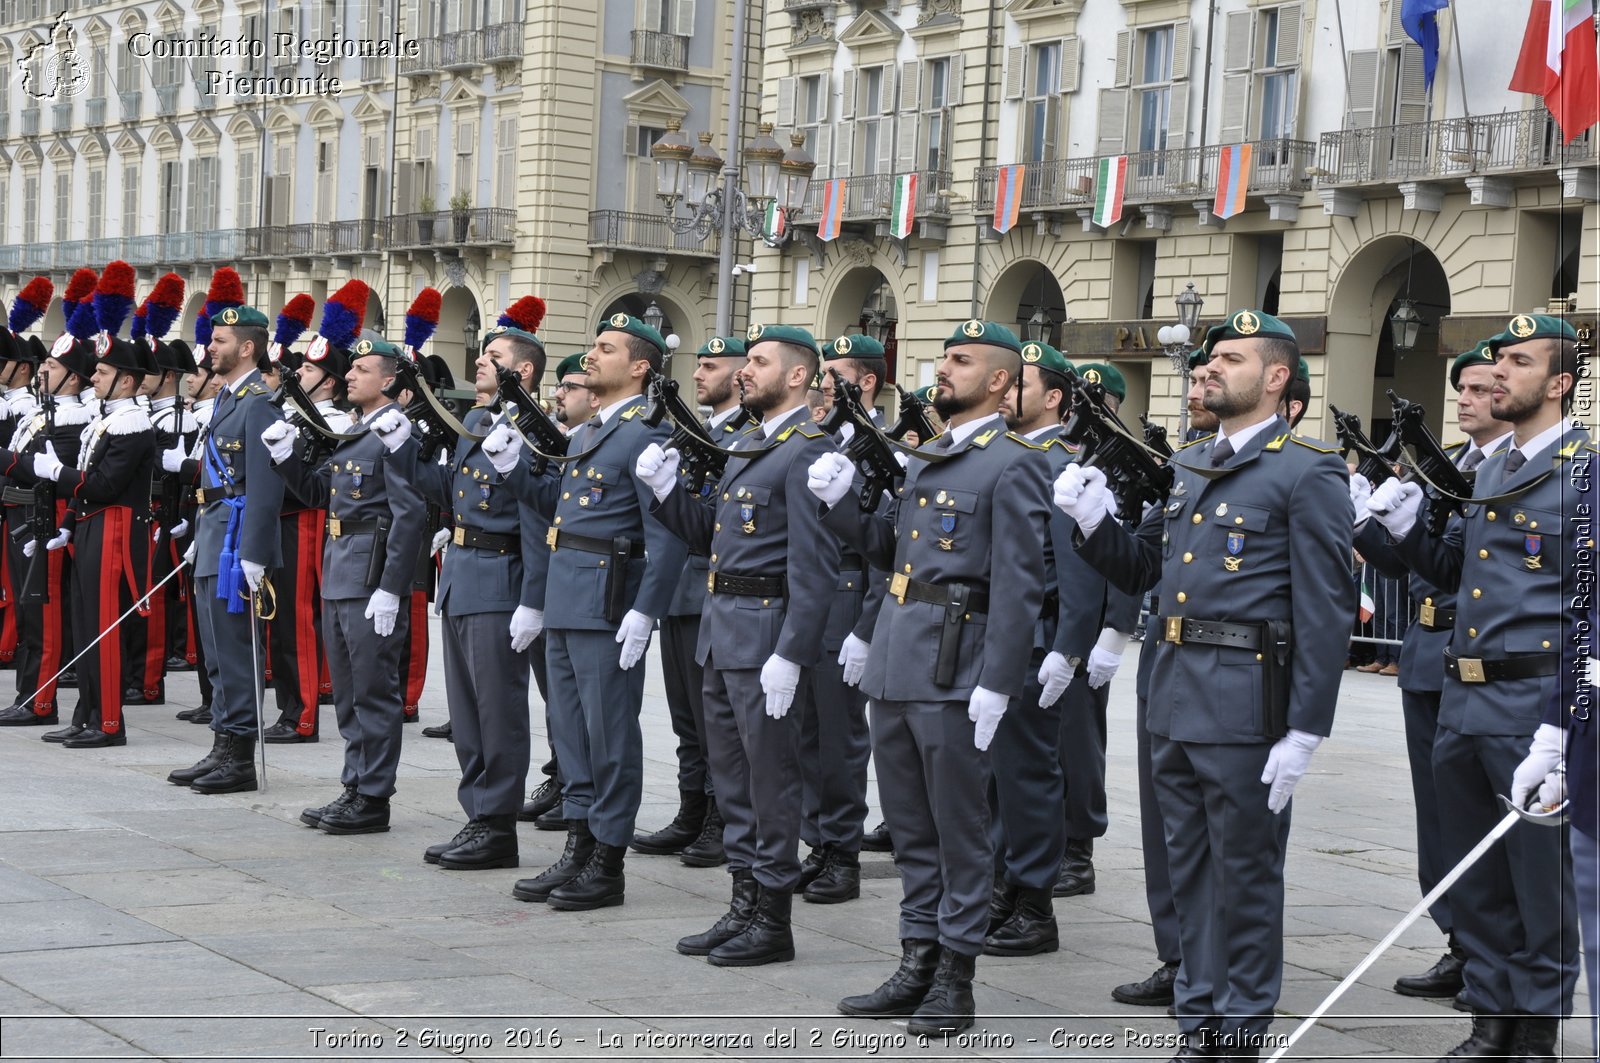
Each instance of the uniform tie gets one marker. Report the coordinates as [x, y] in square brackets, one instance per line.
[1472, 460]
[1514, 461]
[1221, 453]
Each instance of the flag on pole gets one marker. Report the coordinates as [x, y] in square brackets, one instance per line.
[905, 206]
[1421, 24]
[1007, 197]
[1558, 62]
[775, 224]
[832, 210]
[1110, 182]
[1233, 177]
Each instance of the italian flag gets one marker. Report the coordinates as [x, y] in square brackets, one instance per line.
[774, 224]
[1110, 181]
[904, 213]
[1368, 606]
[1558, 63]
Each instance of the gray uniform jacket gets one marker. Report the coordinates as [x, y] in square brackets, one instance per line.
[1269, 540]
[1507, 564]
[238, 418]
[766, 523]
[976, 519]
[364, 483]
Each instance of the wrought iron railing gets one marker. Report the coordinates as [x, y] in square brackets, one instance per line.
[30, 121]
[61, 116]
[461, 50]
[474, 227]
[357, 235]
[621, 230]
[502, 42]
[665, 51]
[1509, 142]
[871, 196]
[132, 104]
[426, 61]
[94, 111]
[166, 100]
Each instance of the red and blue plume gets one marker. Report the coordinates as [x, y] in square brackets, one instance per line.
[525, 314]
[79, 288]
[342, 314]
[294, 320]
[226, 290]
[422, 318]
[164, 304]
[82, 323]
[141, 322]
[113, 297]
[31, 303]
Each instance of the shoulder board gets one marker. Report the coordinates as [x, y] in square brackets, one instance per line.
[1202, 439]
[983, 439]
[77, 413]
[1572, 448]
[728, 429]
[1030, 444]
[1313, 444]
[256, 387]
[127, 422]
[630, 413]
[808, 429]
[1591, 448]
[1454, 448]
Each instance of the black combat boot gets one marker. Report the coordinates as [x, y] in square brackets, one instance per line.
[948, 1007]
[1077, 869]
[812, 865]
[707, 850]
[474, 827]
[1002, 902]
[840, 880]
[284, 732]
[1534, 1040]
[768, 939]
[494, 846]
[1490, 1038]
[363, 815]
[1153, 992]
[599, 885]
[877, 840]
[204, 766]
[542, 800]
[236, 773]
[1031, 929]
[312, 817]
[741, 909]
[1443, 979]
[202, 715]
[580, 847]
[440, 730]
[684, 828]
[903, 992]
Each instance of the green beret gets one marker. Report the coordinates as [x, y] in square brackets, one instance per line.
[794, 334]
[722, 347]
[1303, 371]
[1198, 357]
[929, 393]
[1107, 375]
[975, 331]
[572, 363]
[1526, 327]
[246, 316]
[1247, 325]
[1482, 354]
[379, 348]
[634, 327]
[859, 346]
[512, 330]
[1045, 357]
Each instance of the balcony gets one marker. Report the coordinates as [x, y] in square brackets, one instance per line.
[477, 227]
[141, 250]
[37, 256]
[425, 62]
[10, 257]
[70, 254]
[303, 240]
[132, 104]
[461, 51]
[5, 124]
[220, 245]
[618, 230]
[1512, 142]
[179, 248]
[502, 43]
[660, 51]
[362, 235]
[105, 249]
[30, 121]
[374, 69]
[204, 100]
[61, 116]
[166, 100]
[94, 112]
[869, 199]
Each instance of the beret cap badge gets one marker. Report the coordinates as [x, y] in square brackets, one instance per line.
[973, 328]
[1032, 353]
[1522, 326]
[619, 320]
[1246, 324]
[364, 347]
[754, 332]
[230, 316]
[841, 345]
[716, 346]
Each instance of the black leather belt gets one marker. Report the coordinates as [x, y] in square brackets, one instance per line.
[338, 527]
[1435, 619]
[1181, 629]
[565, 540]
[852, 563]
[206, 495]
[1488, 670]
[903, 587]
[17, 496]
[482, 540]
[747, 586]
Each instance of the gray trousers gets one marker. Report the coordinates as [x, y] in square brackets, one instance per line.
[1515, 909]
[1225, 850]
[835, 748]
[594, 720]
[1586, 874]
[1153, 836]
[935, 787]
[755, 765]
[1421, 710]
[487, 687]
[1083, 757]
[367, 701]
[226, 639]
[1027, 787]
[684, 684]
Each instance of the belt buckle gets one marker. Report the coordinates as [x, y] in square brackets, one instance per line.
[898, 586]
[550, 538]
[1425, 615]
[459, 537]
[334, 527]
[1470, 669]
[1174, 629]
[711, 583]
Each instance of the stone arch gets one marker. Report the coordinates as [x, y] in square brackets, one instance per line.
[1024, 286]
[680, 318]
[849, 282]
[460, 304]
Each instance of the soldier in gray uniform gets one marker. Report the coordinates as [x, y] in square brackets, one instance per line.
[613, 570]
[235, 547]
[770, 579]
[1247, 673]
[374, 533]
[1422, 655]
[1514, 910]
[699, 820]
[946, 661]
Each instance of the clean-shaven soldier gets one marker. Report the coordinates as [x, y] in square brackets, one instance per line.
[203, 388]
[1515, 909]
[1252, 550]
[771, 573]
[613, 569]
[945, 662]
[1422, 655]
[236, 546]
[698, 817]
[489, 592]
[374, 533]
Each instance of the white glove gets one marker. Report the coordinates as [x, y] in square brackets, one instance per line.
[1546, 755]
[392, 428]
[829, 478]
[657, 469]
[900, 456]
[254, 574]
[853, 656]
[29, 547]
[382, 609]
[46, 466]
[1553, 791]
[189, 554]
[1395, 504]
[1106, 657]
[155, 536]
[780, 679]
[440, 538]
[502, 449]
[1591, 672]
[1360, 492]
[1055, 675]
[526, 623]
[985, 708]
[279, 438]
[172, 460]
[1286, 763]
[180, 529]
[1081, 494]
[63, 536]
[634, 636]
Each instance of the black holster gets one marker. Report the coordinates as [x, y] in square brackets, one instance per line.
[955, 613]
[380, 553]
[617, 578]
[1276, 652]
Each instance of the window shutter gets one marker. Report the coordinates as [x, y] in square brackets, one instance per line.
[824, 95]
[822, 151]
[650, 15]
[885, 160]
[886, 90]
[844, 144]
[1015, 62]
[630, 140]
[1397, 32]
[1180, 50]
[1123, 73]
[1289, 35]
[1235, 108]
[910, 85]
[1361, 96]
[194, 195]
[906, 159]
[1238, 40]
[1112, 129]
[1178, 115]
[424, 145]
[506, 158]
[1071, 64]
[785, 103]
[847, 99]
[403, 194]
[1052, 122]
[683, 18]
[957, 73]
[1412, 102]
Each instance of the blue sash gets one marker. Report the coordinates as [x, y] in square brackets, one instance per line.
[230, 571]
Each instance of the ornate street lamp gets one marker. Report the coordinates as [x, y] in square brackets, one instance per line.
[1039, 326]
[1175, 339]
[1404, 326]
[690, 173]
[653, 316]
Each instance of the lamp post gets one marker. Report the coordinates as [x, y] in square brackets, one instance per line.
[1039, 326]
[1175, 339]
[653, 316]
[1405, 324]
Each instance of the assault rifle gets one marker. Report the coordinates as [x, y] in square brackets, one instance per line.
[913, 418]
[41, 519]
[435, 430]
[1155, 436]
[1132, 473]
[867, 448]
[313, 428]
[529, 417]
[1375, 464]
[1444, 483]
[701, 460]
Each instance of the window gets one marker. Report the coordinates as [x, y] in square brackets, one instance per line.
[128, 66]
[244, 203]
[325, 181]
[505, 147]
[1040, 108]
[30, 209]
[202, 195]
[872, 130]
[97, 72]
[5, 204]
[63, 205]
[934, 150]
[328, 24]
[866, 139]
[1153, 92]
[96, 227]
[466, 142]
[130, 199]
[171, 192]
[1277, 85]
[1260, 89]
